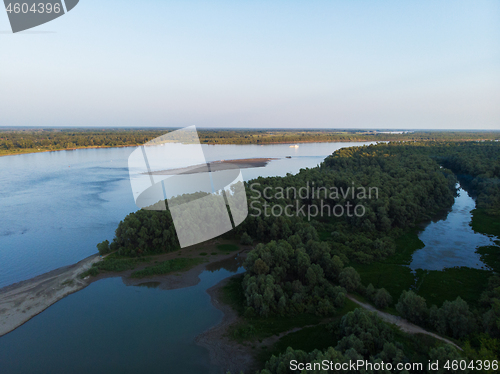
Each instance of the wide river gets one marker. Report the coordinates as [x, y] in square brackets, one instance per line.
[56, 207]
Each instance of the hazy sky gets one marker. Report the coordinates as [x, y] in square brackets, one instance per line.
[334, 64]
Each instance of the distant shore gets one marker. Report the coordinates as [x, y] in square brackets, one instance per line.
[30, 151]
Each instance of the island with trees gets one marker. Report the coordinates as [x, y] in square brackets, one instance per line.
[305, 279]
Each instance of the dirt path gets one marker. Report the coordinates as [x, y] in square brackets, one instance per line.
[403, 324]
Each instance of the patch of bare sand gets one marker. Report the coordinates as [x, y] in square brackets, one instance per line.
[22, 301]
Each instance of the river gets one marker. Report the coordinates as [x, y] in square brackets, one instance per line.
[56, 206]
[450, 241]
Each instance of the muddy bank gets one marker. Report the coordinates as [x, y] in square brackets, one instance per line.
[224, 352]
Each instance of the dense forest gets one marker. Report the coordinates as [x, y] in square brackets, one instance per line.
[301, 265]
[14, 141]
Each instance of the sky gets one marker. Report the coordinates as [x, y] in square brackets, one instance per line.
[256, 64]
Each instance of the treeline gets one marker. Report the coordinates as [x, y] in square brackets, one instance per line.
[12, 141]
[476, 164]
[69, 139]
[409, 188]
[363, 336]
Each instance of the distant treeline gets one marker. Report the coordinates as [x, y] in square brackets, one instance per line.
[34, 140]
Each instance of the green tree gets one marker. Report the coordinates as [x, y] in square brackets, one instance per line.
[412, 307]
[382, 298]
[350, 279]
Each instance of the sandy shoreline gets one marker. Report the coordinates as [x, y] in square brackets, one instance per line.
[19, 302]
[22, 301]
[221, 165]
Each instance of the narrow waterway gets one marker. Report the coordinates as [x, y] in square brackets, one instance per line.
[450, 241]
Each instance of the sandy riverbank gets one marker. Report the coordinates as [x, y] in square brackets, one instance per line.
[246, 163]
[22, 301]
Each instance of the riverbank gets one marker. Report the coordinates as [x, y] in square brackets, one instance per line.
[24, 300]
[225, 352]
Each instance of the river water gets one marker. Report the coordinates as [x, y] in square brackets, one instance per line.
[56, 206]
[111, 328]
[450, 240]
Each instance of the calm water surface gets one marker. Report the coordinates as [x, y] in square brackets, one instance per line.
[451, 242]
[56, 206]
[112, 328]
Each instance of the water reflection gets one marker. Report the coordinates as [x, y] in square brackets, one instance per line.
[111, 328]
[450, 241]
[230, 264]
[148, 284]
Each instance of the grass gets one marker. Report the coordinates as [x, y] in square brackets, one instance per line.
[228, 247]
[391, 273]
[394, 278]
[485, 223]
[113, 263]
[490, 255]
[309, 338]
[448, 284]
[168, 266]
[203, 253]
[323, 336]
[406, 244]
[434, 286]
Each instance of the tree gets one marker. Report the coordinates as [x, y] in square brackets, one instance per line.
[412, 307]
[350, 279]
[453, 318]
[246, 239]
[382, 298]
[103, 247]
[443, 354]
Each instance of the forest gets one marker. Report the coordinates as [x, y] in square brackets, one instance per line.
[300, 267]
[13, 141]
